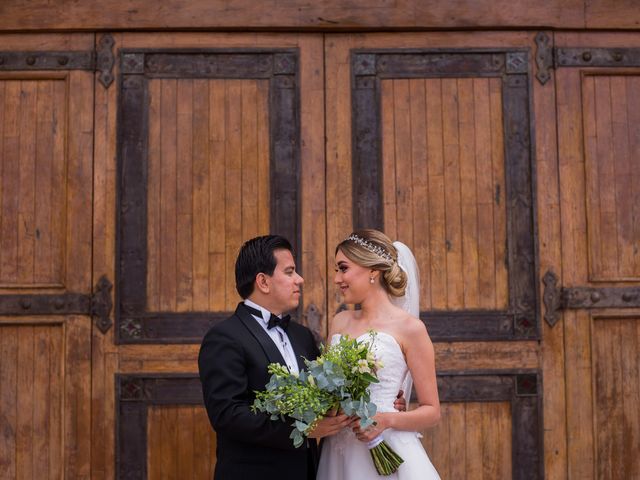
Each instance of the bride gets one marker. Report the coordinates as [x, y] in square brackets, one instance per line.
[382, 277]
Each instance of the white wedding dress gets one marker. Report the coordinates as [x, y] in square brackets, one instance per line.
[344, 457]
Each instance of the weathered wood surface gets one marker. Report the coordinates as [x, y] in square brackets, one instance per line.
[17, 15]
[596, 205]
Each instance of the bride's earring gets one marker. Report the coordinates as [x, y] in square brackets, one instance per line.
[372, 280]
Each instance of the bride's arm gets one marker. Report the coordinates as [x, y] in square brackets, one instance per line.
[420, 357]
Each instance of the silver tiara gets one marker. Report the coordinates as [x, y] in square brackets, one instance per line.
[381, 252]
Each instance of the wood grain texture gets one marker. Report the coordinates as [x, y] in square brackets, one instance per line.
[438, 177]
[473, 441]
[31, 399]
[616, 392]
[329, 15]
[552, 359]
[611, 177]
[32, 187]
[202, 200]
[178, 446]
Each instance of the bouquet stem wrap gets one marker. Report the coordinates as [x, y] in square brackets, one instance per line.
[384, 458]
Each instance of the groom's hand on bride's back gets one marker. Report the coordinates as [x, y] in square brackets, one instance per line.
[400, 403]
[330, 425]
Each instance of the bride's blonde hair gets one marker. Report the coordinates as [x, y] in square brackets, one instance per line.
[373, 249]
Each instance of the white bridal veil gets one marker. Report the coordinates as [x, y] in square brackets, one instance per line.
[410, 302]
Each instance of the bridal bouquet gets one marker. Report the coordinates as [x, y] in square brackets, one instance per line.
[338, 379]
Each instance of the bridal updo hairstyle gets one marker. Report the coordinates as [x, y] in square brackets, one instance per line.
[392, 277]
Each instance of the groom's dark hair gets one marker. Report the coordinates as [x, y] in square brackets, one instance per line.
[256, 256]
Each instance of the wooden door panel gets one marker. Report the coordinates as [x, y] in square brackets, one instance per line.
[46, 152]
[616, 360]
[181, 443]
[213, 139]
[443, 165]
[611, 120]
[439, 154]
[472, 441]
[597, 91]
[208, 188]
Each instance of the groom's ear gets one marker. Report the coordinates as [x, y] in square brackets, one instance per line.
[262, 282]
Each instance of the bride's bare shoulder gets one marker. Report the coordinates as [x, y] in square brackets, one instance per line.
[340, 322]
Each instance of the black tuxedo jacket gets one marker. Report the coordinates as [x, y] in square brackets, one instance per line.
[233, 364]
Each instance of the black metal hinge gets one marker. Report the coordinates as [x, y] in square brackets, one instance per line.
[100, 60]
[571, 298]
[548, 57]
[98, 305]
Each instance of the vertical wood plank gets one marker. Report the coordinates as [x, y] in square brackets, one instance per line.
[217, 195]
[61, 118]
[185, 447]
[2, 160]
[10, 183]
[41, 395]
[404, 180]
[201, 193]
[55, 405]
[80, 182]
[388, 134]
[474, 440]
[184, 196]
[591, 174]
[630, 369]
[606, 176]
[485, 190]
[550, 249]
[168, 195]
[77, 397]
[468, 196]
[249, 184]
[623, 171]
[25, 400]
[420, 182]
[437, 205]
[264, 181]
[457, 448]
[154, 199]
[233, 178]
[579, 415]
[27, 157]
[313, 206]
[8, 400]
[453, 242]
[43, 184]
[498, 171]
[633, 113]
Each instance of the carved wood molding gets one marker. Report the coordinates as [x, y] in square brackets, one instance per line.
[280, 67]
[521, 318]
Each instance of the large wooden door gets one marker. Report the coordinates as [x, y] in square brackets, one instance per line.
[216, 139]
[597, 281]
[46, 156]
[430, 139]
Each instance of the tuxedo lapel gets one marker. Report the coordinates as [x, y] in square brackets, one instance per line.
[270, 350]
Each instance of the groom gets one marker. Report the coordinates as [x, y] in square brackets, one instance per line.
[233, 364]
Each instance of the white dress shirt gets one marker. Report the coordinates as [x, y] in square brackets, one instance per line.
[277, 334]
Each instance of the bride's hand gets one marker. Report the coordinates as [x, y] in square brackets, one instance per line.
[372, 431]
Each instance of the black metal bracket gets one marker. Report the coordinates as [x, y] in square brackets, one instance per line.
[100, 60]
[98, 305]
[573, 298]
[548, 57]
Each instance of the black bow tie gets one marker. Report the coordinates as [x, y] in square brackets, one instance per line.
[274, 320]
